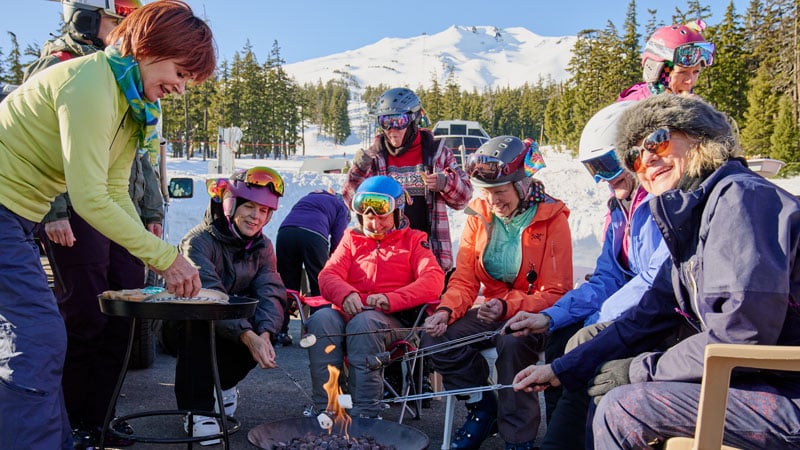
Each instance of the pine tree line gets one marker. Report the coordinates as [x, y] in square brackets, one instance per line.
[754, 79]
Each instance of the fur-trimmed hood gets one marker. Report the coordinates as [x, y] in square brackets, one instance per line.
[689, 114]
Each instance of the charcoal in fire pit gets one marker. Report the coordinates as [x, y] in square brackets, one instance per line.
[325, 441]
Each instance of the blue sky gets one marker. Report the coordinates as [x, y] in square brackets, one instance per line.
[308, 29]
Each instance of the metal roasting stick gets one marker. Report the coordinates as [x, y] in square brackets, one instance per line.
[376, 331]
[455, 343]
[464, 391]
[297, 383]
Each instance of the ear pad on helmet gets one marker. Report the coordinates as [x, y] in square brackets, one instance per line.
[86, 24]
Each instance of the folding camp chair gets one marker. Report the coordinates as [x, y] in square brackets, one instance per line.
[411, 368]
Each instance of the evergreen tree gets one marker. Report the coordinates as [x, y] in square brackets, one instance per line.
[694, 11]
[760, 115]
[14, 67]
[785, 138]
[652, 23]
[451, 100]
[725, 83]
[630, 65]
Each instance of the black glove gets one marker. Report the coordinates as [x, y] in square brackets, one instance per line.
[610, 375]
[362, 160]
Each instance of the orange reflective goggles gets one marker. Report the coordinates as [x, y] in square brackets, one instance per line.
[263, 177]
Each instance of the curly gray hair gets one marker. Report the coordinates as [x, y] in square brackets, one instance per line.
[709, 128]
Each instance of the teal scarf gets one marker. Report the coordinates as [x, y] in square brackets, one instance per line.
[129, 78]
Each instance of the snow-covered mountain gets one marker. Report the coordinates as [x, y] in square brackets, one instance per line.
[478, 56]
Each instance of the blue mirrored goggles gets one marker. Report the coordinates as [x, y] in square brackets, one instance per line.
[689, 55]
[604, 167]
[396, 121]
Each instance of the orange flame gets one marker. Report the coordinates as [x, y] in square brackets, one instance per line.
[341, 418]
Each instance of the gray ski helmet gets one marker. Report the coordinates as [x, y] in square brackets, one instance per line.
[82, 17]
[499, 161]
[398, 101]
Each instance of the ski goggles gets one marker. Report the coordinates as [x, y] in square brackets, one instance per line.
[656, 142]
[689, 55]
[264, 177]
[124, 7]
[488, 168]
[604, 167]
[396, 121]
[373, 202]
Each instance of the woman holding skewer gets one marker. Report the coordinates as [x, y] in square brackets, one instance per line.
[516, 247]
[379, 269]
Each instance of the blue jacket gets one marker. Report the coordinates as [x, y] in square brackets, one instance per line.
[611, 285]
[321, 212]
[734, 244]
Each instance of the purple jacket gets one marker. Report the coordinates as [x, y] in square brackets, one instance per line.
[733, 276]
[321, 212]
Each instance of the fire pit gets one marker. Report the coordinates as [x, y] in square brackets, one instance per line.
[268, 435]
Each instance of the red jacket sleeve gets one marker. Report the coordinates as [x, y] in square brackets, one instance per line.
[333, 284]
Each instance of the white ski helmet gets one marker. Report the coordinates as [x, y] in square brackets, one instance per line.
[82, 17]
[596, 149]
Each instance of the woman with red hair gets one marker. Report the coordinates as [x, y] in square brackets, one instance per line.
[76, 127]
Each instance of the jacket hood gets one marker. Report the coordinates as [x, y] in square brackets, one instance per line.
[67, 44]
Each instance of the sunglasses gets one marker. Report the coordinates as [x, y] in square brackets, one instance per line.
[264, 177]
[396, 121]
[656, 142]
[689, 55]
[374, 202]
[488, 168]
[604, 167]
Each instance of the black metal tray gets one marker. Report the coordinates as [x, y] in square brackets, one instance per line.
[236, 308]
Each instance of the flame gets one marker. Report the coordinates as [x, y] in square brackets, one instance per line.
[341, 418]
[329, 348]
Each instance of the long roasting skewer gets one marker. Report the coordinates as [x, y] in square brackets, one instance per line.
[464, 391]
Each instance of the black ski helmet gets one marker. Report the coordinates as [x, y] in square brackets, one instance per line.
[499, 161]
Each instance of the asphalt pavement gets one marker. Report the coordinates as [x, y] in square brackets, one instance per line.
[265, 396]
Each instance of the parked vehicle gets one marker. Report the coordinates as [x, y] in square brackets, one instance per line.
[462, 136]
[765, 167]
[6, 89]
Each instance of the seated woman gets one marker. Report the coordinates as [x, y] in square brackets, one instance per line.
[233, 257]
[516, 246]
[733, 238]
[379, 269]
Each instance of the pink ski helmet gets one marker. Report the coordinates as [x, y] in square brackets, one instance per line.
[675, 44]
[261, 185]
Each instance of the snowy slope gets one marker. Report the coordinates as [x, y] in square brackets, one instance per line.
[479, 57]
